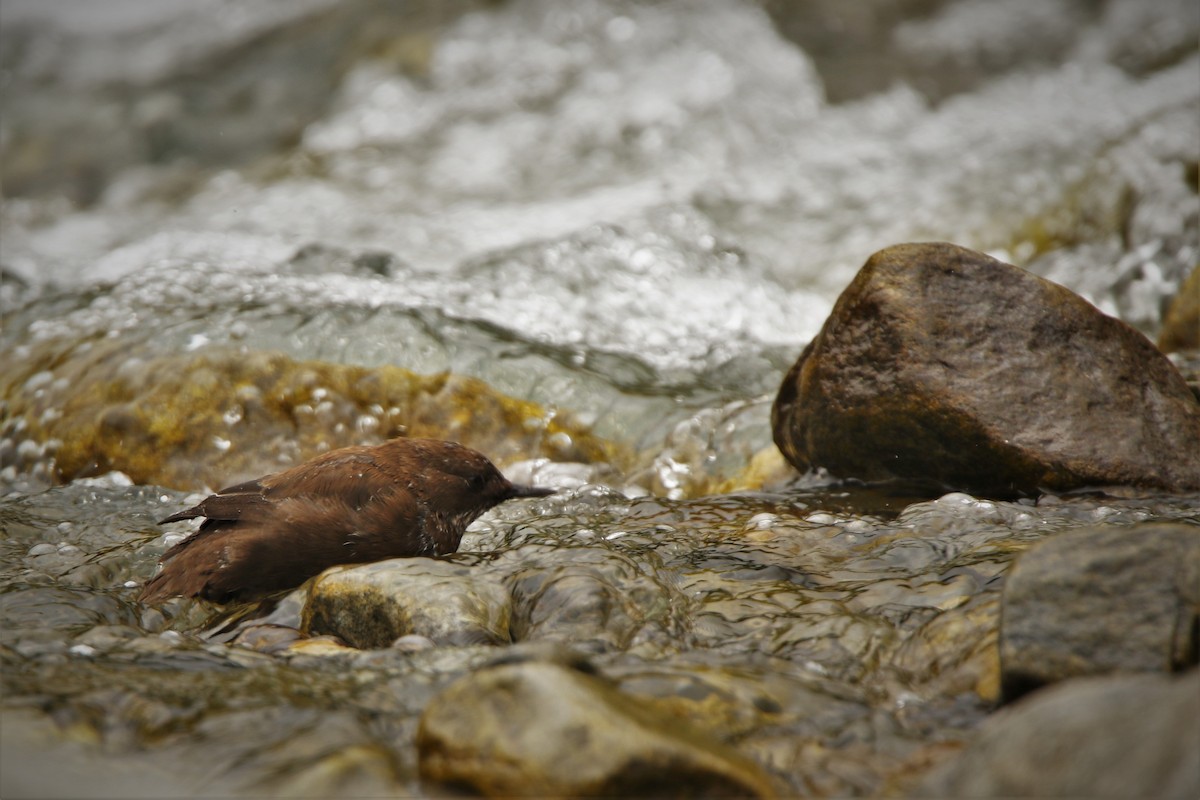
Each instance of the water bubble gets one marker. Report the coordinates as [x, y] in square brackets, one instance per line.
[955, 499]
[412, 643]
[29, 450]
[115, 479]
[560, 441]
[620, 29]
[763, 521]
[38, 380]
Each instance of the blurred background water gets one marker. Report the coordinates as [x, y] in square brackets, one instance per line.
[624, 219]
[632, 212]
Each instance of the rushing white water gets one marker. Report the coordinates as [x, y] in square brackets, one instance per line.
[669, 185]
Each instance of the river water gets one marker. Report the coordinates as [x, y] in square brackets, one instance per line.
[615, 225]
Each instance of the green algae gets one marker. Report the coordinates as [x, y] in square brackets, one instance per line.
[208, 418]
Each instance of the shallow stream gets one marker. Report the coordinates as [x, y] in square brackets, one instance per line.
[587, 239]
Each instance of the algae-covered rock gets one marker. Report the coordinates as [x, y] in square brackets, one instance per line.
[1101, 600]
[537, 729]
[373, 605]
[1181, 327]
[211, 418]
[941, 364]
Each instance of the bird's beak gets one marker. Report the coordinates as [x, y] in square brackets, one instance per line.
[530, 491]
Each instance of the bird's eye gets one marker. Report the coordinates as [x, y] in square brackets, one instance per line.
[476, 482]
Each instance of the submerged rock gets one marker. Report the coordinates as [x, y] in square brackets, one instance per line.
[1128, 736]
[592, 598]
[941, 364]
[538, 729]
[373, 605]
[1101, 600]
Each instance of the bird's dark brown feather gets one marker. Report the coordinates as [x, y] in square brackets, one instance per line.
[406, 497]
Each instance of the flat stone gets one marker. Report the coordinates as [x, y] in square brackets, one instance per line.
[939, 364]
[539, 729]
[1100, 600]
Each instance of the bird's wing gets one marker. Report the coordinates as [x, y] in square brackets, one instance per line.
[328, 509]
[353, 476]
[295, 539]
[229, 504]
[319, 533]
[373, 505]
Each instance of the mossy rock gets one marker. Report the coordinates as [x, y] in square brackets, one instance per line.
[214, 417]
[1181, 328]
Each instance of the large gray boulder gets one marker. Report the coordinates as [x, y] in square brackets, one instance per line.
[1112, 737]
[941, 364]
[1100, 600]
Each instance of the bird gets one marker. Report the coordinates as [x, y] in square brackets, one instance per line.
[405, 497]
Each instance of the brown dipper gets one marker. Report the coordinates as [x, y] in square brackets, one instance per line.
[405, 497]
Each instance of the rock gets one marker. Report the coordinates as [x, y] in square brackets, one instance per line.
[598, 600]
[373, 605]
[1120, 737]
[1111, 599]
[1181, 327]
[537, 729]
[940, 364]
[955, 652]
[251, 413]
[359, 770]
